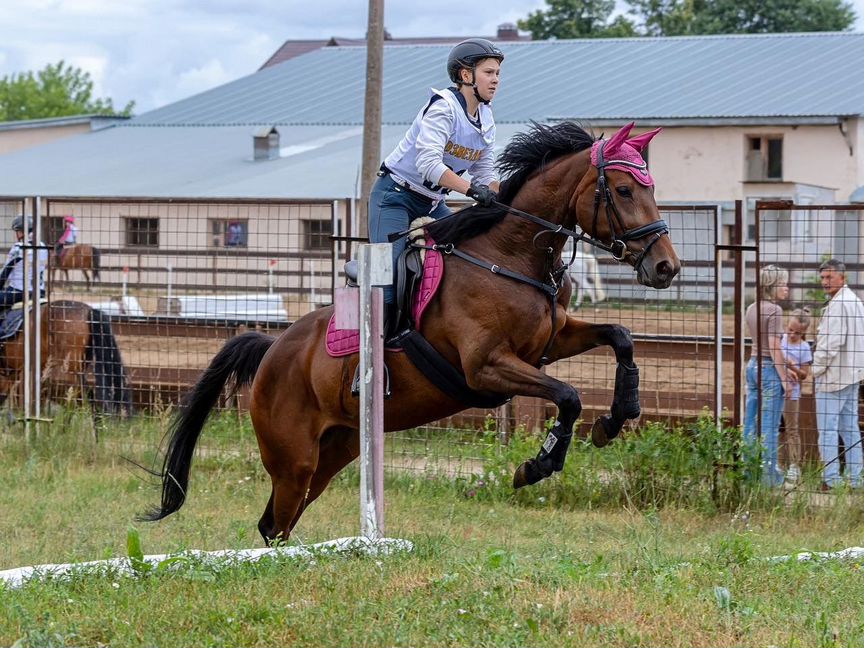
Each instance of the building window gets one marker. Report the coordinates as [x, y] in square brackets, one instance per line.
[316, 234]
[774, 224]
[229, 233]
[54, 229]
[142, 232]
[764, 159]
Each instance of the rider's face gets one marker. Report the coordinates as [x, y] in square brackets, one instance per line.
[487, 74]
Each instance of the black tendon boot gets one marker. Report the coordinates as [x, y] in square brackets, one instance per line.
[549, 460]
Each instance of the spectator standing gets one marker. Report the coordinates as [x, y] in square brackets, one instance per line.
[796, 350]
[838, 367]
[774, 381]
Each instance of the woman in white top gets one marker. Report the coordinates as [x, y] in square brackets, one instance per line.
[453, 133]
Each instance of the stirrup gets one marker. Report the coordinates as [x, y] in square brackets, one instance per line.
[355, 383]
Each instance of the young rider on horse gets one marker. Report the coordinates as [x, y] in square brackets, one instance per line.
[69, 236]
[453, 133]
[12, 274]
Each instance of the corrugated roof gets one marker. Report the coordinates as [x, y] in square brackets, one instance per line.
[507, 32]
[642, 78]
[203, 145]
[188, 161]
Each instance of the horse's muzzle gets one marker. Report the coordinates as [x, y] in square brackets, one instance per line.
[658, 275]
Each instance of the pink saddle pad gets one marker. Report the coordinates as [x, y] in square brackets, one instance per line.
[342, 342]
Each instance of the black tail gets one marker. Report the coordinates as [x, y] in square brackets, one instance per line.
[112, 394]
[96, 263]
[239, 359]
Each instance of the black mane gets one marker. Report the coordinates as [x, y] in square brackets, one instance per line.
[526, 153]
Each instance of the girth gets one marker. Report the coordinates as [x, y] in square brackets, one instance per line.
[442, 374]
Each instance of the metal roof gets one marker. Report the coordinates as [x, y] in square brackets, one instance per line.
[96, 122]
[507, 32]
[800, 75]
[203, 146]
[315, 162]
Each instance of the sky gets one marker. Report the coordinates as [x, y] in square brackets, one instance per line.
[156, 52]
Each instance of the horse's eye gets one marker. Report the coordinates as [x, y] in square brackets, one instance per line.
[624, 192]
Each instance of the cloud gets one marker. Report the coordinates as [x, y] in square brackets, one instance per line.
[159, 51]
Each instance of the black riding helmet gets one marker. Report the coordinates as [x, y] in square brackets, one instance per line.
[18, 224]
[466, 55]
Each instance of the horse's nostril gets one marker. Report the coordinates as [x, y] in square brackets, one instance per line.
[664, 269]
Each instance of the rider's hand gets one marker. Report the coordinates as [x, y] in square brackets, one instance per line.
[481, 194]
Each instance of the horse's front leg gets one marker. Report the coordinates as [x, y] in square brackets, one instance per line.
[506, 374]
[577, 337]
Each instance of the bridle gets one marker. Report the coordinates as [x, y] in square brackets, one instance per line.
[618, 247]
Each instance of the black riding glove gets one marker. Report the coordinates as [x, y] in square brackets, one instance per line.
[482, 194]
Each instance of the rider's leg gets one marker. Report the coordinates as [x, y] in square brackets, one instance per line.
[8, 297]
[388, 213]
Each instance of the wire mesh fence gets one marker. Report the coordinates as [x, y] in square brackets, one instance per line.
[673, 331]
[171, 280]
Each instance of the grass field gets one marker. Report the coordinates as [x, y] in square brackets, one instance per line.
[489, 568]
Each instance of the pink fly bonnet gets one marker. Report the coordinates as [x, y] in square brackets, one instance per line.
[624, 154]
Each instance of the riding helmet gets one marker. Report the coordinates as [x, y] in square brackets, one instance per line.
[18, 224]
[468, 53]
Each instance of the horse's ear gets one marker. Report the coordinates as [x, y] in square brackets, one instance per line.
[641, 141]
[618, 139]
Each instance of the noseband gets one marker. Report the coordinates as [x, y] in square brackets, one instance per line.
[618, 247]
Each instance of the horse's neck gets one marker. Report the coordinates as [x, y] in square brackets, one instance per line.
[547, 195]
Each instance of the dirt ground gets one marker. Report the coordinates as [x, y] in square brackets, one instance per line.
[684, 375]
[657, 322]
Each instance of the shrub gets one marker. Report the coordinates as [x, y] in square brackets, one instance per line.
[695, 465]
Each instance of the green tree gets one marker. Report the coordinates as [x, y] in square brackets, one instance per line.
[56, 91]
[693, 17]
[577, 19]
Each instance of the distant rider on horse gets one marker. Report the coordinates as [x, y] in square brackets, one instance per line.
[12, 274]
[69, 236]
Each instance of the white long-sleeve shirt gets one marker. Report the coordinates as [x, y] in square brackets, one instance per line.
[838, 360]
[440, 138]
[16, 259]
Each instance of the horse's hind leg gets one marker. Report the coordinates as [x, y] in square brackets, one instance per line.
[337, 448]
[288, 496]
[265, 524]
[577, 337]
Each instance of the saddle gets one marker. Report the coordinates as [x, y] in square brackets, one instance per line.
[416, 284]
[13, 319]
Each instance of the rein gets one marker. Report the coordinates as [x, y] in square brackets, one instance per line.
[617, 248]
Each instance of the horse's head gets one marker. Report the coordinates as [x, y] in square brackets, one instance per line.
[614, 203]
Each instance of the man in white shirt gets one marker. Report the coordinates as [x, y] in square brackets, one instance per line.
[838, 368]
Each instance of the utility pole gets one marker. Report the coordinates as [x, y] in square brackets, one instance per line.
[372, 109]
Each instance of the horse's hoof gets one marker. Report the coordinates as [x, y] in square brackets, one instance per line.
[527, 474]
[599, 437]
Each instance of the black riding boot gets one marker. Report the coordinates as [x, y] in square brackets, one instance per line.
[391, 320]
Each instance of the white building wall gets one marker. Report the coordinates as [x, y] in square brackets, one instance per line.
[708, 163]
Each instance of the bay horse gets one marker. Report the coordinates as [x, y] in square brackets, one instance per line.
[79, 256]
[76, 342]
[500, 313]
